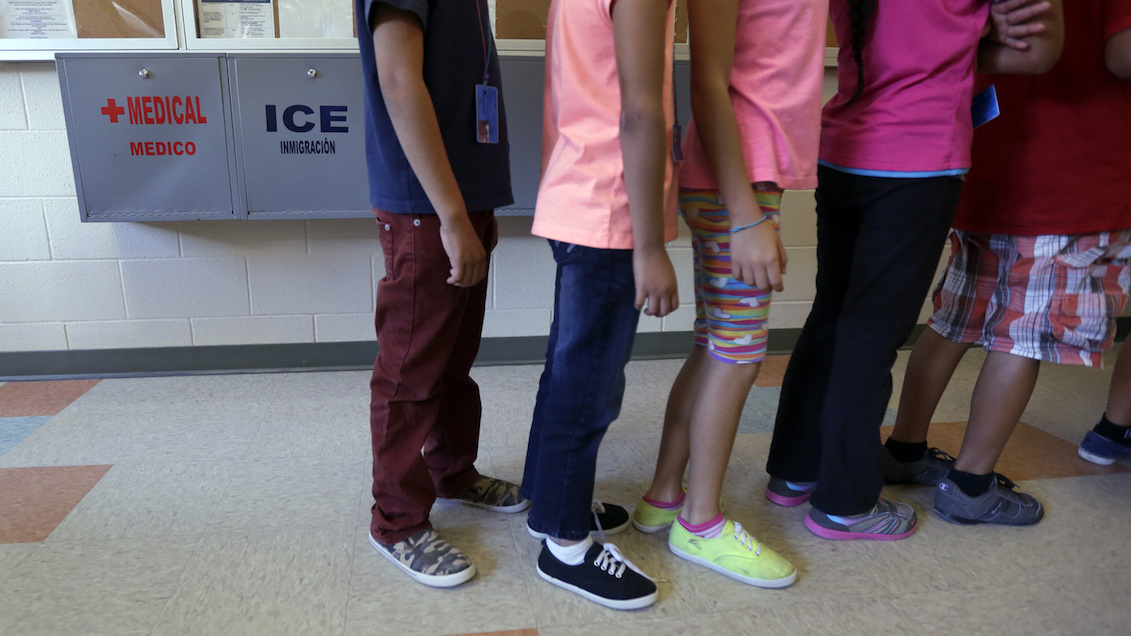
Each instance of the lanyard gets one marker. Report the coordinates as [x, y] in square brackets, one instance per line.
[486, 44]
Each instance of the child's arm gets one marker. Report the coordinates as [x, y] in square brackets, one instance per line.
[1024, 37]
[398, 42]
[1117, 54]
[640, 31]
[757, 255]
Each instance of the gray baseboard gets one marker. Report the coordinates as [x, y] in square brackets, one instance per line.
[326, 356]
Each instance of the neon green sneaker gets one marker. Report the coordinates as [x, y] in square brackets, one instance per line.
[735, 554]
[650, 519]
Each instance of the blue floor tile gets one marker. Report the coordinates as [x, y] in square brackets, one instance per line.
[13, 430]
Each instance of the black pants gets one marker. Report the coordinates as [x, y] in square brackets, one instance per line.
[878, 243]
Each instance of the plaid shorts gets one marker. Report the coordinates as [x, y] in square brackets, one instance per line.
[1052, 298]
[730, 316]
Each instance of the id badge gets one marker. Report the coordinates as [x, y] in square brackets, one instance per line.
[677, 143]
[486, 114]
[984, 106]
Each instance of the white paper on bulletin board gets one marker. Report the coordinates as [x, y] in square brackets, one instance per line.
[236, 19]
[315, 18]
[37, 19]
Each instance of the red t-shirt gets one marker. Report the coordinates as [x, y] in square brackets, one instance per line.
[1058, 159]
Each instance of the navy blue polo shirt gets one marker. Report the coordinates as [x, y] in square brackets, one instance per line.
[454, 51]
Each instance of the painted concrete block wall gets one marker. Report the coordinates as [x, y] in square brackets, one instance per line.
[69, 285]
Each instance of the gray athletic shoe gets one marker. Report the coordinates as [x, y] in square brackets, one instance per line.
[886, 521]
[429, 559]
[1000, 504]
[928, 471]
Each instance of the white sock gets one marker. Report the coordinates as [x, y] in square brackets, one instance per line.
[569, 554]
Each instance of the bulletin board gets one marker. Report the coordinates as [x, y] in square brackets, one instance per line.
[271, 25]
[36, 29]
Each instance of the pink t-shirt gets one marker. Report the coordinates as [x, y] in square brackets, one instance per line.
[582, 197]
[914, 113]
[776, 94]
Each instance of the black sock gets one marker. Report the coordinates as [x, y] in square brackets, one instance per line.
[971, 484]
[906, 451]
[1114, 432]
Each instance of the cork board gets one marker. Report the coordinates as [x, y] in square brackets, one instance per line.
[119, 18]
[526, 19]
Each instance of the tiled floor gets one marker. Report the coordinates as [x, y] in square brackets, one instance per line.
[238, 504]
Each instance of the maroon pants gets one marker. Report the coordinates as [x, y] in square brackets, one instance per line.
[422, 396]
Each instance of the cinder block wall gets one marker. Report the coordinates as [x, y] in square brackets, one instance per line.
[68, 285]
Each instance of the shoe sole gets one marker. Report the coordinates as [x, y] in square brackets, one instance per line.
[513, 508]
[841, 535]
[1094, 458]
[594, 534]
[431, 580]
[788, 502]
[650, 529]
[626, 604]
[766, 583]
[964, 521]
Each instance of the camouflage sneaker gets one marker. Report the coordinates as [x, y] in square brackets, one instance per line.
[929, 470]
[493, 494]
[429, 559]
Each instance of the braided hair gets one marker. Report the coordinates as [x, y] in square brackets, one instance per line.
[859, 15]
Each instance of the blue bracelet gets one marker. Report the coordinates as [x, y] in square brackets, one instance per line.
[736, 230]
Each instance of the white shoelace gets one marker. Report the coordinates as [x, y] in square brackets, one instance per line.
[746, 540]
[612, 561]
[598, 508]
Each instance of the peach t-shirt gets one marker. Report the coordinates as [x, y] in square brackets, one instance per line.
[582, 197]
[775, 87]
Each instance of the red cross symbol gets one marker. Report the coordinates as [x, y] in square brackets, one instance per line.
[112, 110]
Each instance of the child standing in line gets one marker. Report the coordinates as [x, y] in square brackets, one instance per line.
[431, 74]
[757, 107]
[606, 203]
[1040, 264]
[895, 144]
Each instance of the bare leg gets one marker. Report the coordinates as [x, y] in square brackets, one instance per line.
[714, 423]
[1000, 397]
[929, 369]
[702, 419]
[667, 481]
[1119, 395]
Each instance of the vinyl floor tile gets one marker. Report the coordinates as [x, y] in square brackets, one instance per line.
[773, 371]
[857, 615]
[315, 428]
[97, 587]
[321, 494]
[12, 553]
[632, 625]
[165, 499]
[33, 501]
[23, 399]
[271, 582]
[13, 430]
[110, 434]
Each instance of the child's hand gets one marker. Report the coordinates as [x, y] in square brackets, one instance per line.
[757, 257]
[465, 253]
[656, 289]
[1009, 22]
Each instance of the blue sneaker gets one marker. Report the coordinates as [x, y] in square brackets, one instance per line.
[1102, 450]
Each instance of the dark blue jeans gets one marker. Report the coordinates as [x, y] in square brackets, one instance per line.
[582, 385]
